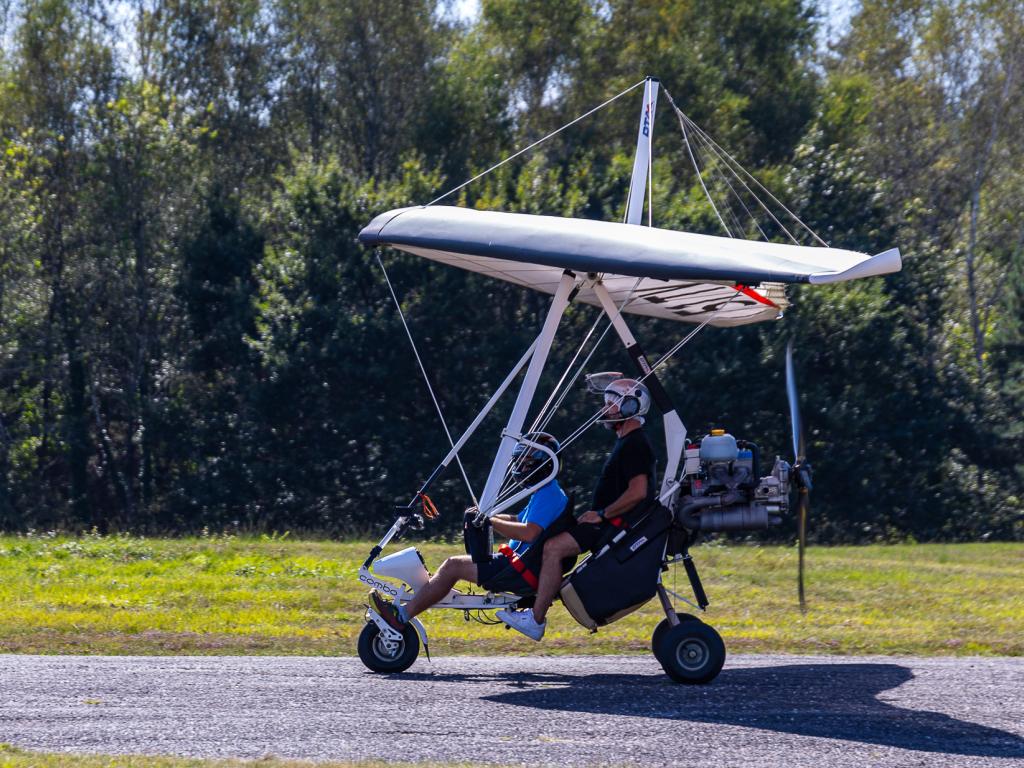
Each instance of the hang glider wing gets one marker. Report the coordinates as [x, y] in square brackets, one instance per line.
[687, 277]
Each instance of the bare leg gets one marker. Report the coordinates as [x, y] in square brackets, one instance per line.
[458, 568]
[556, 549]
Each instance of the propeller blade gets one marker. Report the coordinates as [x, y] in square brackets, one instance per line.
[801, 470]
[794, 407]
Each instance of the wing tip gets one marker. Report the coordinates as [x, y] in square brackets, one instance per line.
[371, 234]
[883, 263]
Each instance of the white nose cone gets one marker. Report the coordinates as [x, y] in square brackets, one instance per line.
[406, 565]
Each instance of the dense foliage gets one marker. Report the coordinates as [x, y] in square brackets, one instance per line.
[190, 336]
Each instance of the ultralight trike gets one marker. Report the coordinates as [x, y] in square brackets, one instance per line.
[714, 484]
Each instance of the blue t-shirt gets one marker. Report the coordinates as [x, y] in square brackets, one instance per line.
[544, 507]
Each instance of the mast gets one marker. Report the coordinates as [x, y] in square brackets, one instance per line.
[642, 159]
[675, 431]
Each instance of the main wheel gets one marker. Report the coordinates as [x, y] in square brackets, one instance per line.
[664, 626]
[692, 652]
[380, 654]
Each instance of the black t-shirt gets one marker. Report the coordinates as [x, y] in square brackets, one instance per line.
[631, 456]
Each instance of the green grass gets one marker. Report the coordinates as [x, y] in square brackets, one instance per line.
[12, 757]
[227, 595]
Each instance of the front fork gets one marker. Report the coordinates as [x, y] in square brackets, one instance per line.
[402, 594]
[392, 637]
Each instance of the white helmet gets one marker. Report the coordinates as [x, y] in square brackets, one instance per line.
[631, 396]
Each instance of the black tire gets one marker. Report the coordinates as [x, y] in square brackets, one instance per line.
[692, 653]
[378, 657]
[664, 626]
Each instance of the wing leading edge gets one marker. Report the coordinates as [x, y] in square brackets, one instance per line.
[688, 277]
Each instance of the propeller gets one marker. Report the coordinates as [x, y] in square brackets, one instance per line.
[801, 469]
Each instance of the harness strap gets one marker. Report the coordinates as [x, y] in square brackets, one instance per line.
[519, 566]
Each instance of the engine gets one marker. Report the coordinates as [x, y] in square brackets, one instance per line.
[722, 490]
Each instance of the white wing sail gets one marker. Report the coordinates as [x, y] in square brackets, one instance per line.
[687, 277]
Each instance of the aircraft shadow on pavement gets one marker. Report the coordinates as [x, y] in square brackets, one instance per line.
[836, 701]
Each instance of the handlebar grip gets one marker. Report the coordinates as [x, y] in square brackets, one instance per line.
[373, 556]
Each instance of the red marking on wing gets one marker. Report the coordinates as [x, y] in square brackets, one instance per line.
[748, 291]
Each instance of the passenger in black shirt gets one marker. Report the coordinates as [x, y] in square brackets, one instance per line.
[625, 485]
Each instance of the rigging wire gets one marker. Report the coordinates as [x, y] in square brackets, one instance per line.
[722, 178]
[537, 142]
[541, 420]
[712, 168]
[551, 414]
[611, 321]
[423, 370]
[732, 164]
[739, 198]
[548, 414]
[545, 415]
[664, 359]
[696, 167]
[711, 148]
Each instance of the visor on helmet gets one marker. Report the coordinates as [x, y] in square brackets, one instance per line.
[529, 463]
[597, 383]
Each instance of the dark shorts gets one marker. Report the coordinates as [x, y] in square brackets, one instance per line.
[487, 571]
[587, 535]
[498, 575]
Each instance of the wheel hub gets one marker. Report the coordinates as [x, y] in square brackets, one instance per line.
[692, 654]
[385, 648]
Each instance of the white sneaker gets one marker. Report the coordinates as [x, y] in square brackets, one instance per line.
[524, 622]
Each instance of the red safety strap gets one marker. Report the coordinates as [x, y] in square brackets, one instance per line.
[520, 567]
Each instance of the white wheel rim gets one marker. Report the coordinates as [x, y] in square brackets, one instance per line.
[692, 654]
[385, 649]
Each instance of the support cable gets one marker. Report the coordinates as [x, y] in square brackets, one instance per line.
[743, 205]
[696, 168]
[734, 164]
[548, 410]
[423, 370]
[548, 414]
[537, 142]
[664, 359]
[611, 321]
[704, 137]
[723, 178]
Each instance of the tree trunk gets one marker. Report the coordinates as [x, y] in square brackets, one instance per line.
[77, 431]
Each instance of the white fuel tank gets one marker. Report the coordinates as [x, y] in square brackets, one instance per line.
[718, 446]
[406, 565]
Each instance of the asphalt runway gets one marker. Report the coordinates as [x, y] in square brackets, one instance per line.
[784, 711]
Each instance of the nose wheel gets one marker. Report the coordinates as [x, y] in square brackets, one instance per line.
[382, 654]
